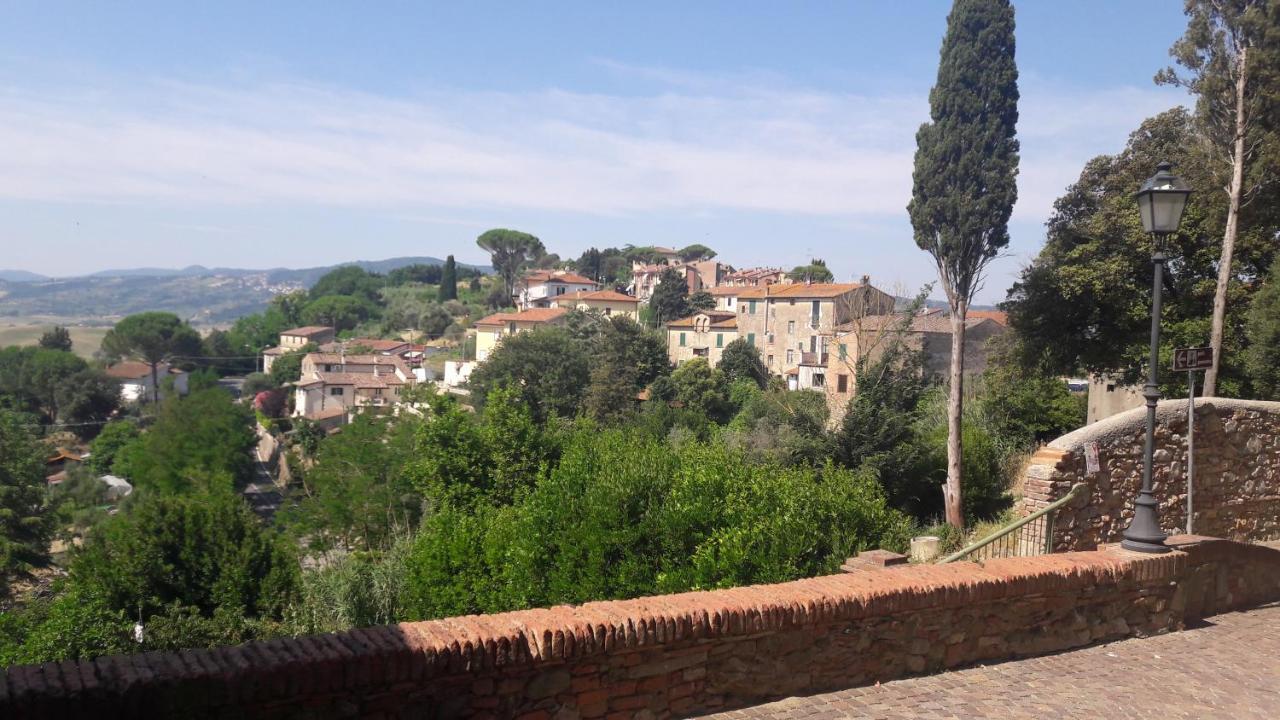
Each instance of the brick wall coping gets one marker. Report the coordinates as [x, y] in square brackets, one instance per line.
[292, 667]
[1121, 425]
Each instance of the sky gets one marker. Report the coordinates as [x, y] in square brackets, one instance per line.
[296, 134]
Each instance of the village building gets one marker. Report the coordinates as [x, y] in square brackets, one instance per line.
[333, 385]
[755, 277]
[295, 339]
[606, 302]
[538, 288]
[792, 324]
[726, 297]
[490, 330]
[701, 335]
[867, 337]
[136, 383]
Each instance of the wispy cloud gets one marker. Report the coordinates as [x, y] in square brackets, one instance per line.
[696, 144]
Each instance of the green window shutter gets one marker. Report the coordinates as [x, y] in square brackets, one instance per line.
[751, 305]
[844, 351]
[681, 339]
[751, 339]
[719, 339]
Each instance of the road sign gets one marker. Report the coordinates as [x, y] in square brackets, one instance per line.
[1193, 358]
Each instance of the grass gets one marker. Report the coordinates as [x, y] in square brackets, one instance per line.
[84, 340]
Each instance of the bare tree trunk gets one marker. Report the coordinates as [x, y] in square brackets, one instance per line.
[955, 408]
[1234, 192]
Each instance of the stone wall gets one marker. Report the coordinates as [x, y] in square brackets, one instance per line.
[674, 655]
[1237, 474]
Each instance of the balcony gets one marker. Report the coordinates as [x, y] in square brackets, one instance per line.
[814, 359]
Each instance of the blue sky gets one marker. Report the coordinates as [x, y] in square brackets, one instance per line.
[296, 134]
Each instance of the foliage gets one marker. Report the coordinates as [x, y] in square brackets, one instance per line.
[349, 281]
[107, 445]
[815, 271]
[670, 300]
[1025, 407]
[201, 441]
[1262, 360]
[449, 281]
[511, 252]
[357, 494]
[695, 252]
[779, 425]
[990, 463]
[25, 520]
[623, 516]
[56, 338]
[608, 267]
[153, 338]
[625, 359]
[740, 360]
[202, 551]
[287, 368]
[544, 369]
[342, 312]
[451, 467]
[1084, 303]
[58, 385]
[702, 389]
[356, 590]
[255, 383]
[80, 502]
[72, 624]
[701, 300]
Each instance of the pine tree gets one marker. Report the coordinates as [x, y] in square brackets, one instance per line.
[25, 521]
[964, 184]
[449, 281]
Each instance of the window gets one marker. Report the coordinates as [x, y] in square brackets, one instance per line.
[844, 353]
[751, 305]
[719, 340]
[791, 355]
[511, 328]
[335, 391]
[608, 311]
[791, 327]
[813, 343]
[815, 314]
[819, 380]
[701, 352]
[328, 368]
[769, 362]
[559, 289]
[842, 382]
[681, 339]
[751, 339]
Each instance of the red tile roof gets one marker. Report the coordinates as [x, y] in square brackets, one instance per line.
[722, 319]
[998, 316]
[799, 290]
[557, 276]
[598, 295]
[308, 331]
[535, 315]
[129, 370]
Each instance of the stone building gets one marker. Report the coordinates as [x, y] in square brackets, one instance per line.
[702, 335]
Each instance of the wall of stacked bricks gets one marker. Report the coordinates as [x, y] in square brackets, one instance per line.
[1237, 475]
[675, 655]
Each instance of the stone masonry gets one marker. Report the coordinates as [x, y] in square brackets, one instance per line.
[675, 655]
[1237, 475]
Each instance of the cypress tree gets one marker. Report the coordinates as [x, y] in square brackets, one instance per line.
[964, 184]
[449, 281]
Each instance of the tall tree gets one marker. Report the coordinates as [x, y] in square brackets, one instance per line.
[56, 338]
[1262, 359]
[1221, 51]
[511, 252]
[964, 184]
[448, 281]
[153, 338]
[695, 252]
[815, 271]
[670, 299]
[25, 520]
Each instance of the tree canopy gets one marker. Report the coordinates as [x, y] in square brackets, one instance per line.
[511, 252]
[153, 338]
[25, 521]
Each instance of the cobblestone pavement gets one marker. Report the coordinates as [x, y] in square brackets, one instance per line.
[1229, 667]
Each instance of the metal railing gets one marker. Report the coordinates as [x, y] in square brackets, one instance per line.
[1031, 535]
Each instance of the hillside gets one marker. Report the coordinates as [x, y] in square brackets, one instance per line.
[201, 295]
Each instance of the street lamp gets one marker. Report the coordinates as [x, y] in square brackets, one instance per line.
[1161, 201]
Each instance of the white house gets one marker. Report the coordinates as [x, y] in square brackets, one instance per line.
[538, 288]
[334, 383]
[135, 379]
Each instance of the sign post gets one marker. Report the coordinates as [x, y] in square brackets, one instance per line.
[1191, 360]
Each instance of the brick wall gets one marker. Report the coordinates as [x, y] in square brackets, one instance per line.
[1237, 474]
[673, 655]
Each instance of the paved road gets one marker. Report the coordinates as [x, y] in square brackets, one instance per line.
[1228, 668]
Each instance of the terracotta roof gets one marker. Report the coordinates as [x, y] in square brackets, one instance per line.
[999, 316]
[308, 330]
[725, 290]
[130, 370]
[558, 276]
[599, 295]
[375, 344]
[356, 379]
[534, 315]
[718, 318]
[800, 290]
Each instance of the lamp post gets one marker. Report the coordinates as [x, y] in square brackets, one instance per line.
[1161, 201]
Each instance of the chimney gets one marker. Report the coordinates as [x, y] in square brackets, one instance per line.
[866, 280]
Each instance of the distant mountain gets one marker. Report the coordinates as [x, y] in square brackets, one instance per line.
[196, 293]
[20, 276]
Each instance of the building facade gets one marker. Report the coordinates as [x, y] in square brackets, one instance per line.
[702, 335]
[538, 288]
[490, 330]
[337, 383]
[606, 302]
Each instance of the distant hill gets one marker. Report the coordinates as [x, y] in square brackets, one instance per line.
[20, 276]
[199, 294]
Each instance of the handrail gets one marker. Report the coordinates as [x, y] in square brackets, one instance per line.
[1071, 494]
